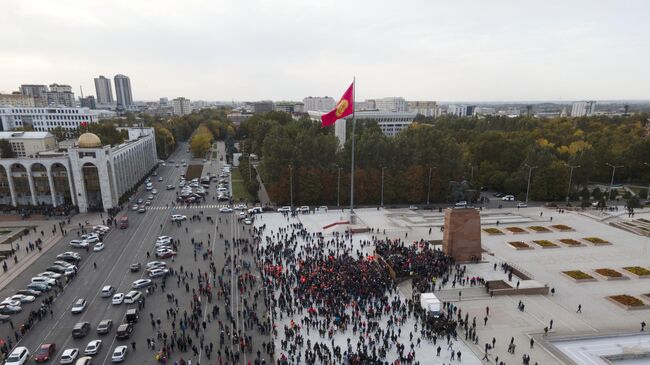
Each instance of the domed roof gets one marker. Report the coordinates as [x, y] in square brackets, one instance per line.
[89, 140]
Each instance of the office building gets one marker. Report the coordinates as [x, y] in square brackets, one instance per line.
[163, 102]
[429, 109]
[104, 91]
[289, 107]
[392, 104]
[182, 106]
[59, 95]
[88, 175]
[88, 102]
[461, 110]
[35, 91]
[583, 108]
[123, 93]
[16, 99]
[46, 119]
[365, 105]
[264, 106]
[29, 143]
[320, 104]
[389, 123]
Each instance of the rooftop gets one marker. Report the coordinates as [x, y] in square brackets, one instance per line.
[25, 135]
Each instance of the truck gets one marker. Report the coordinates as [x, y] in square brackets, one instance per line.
[124, 222]
[431, 304]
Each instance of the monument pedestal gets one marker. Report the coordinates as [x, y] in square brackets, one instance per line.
[462, 235]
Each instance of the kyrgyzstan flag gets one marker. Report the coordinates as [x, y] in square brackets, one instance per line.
[344, 107]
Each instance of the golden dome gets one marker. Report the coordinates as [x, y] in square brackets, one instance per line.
[89, 140]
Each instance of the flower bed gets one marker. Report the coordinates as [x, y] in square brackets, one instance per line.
[638, 271]
[579, 276]
[492, 231]
[628, 301]
[562, 227]
[571, 242]
[546, 244]
[516, 230]
[610, 274]
[518, 245]
[539, 229]
[596, 241]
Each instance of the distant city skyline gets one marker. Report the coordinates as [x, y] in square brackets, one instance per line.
[470, 51]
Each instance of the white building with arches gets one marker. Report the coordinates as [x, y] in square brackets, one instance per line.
[89, 175]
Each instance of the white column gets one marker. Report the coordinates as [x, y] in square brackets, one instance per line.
[12, 190]
[30, 179]
[50, 181]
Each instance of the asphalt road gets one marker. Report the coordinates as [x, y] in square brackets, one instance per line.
[124, 247]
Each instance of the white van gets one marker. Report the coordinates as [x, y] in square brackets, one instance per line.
[132, 297]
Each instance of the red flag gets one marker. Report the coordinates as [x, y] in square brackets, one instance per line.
[343, 108]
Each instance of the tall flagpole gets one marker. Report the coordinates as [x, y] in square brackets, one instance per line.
[354, 124]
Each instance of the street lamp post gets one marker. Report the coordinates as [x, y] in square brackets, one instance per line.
[429, 186]
[647, 196]
[611, 183]
[382, 186]
[568, 192]
[530, 173]
[338, 190]
[291, 186]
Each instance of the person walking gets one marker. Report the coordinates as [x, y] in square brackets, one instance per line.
[579, 308]
[642, 326]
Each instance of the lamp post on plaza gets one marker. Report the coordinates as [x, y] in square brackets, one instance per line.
[429, 185]
[530, 173]
[568, 192]
[611, 183]
[291, 186]
[382, 185]
[338, 190]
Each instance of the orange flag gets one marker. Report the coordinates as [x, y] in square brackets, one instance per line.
[343, 108]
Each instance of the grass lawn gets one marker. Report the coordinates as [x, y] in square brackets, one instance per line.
[238, 189]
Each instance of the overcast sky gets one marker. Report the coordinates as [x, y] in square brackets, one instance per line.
[480, 50]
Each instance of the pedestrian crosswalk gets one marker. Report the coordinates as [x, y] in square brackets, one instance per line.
[193, 206]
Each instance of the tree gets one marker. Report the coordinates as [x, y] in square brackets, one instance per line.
[5, 149]
[200, 144]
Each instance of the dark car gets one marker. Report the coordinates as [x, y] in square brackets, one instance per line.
[4, 318]
[45, 352]
[56, 268]
[67, 257]
[104, 326]
[124, 331]
[80, 329]
[135, 267]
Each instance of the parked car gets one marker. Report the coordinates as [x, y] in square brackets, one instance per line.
[10, 309]
[99, 246]
[225, 210]
[141, 283]
[178, 217]
[79, 244]
[508, 198]
[461, 203]
[285, 209]
[522, 205]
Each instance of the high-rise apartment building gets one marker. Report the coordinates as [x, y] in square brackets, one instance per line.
[37, 92]
[392, 104]
[320, 104]
[583, 108]
[123, 92]
[182, 106]
[104, 90]
[59, 95]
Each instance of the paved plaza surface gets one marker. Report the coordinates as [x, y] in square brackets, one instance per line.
[598, 316]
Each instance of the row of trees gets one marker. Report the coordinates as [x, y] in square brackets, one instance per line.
[494, 152]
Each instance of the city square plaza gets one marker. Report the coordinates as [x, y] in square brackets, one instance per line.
[602, 332]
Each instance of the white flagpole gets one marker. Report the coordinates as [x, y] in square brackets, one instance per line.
[354, 124]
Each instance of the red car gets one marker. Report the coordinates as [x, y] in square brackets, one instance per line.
[45, 352]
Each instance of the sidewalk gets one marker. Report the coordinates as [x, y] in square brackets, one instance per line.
[262, 195]
[27, 257]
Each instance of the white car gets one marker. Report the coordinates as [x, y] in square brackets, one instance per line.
[23, 298]
[508, 198]
[225, 210]
[69, 356]
[117, 299]
[522, 205]
[178, 217]
[51, 275]
[248, 222]
[79, 244]
[154, 191]
[93, 347]
[44, 280]
[141, 283]
[18, 356]
[255, 210]
[242, 214]
[461, 203]
[240, 207]
[79, 306]
[98, 246]
[90, 237]
[285, 209]
[11, 302]
[132, 297]
[119, 354]
[164, 239]
[170, 187]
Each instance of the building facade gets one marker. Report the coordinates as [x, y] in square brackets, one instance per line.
[429, 109]
[88, 102]
[46, 119]
[16, 99]
[90, 176]
[59, 95]
[104, 90]
[26, 144]
[392, 104]
[182, 106]
[123, 92]
[264, 106]
[35, 91]
[389, 123]
[319, 104]
[583, 108]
